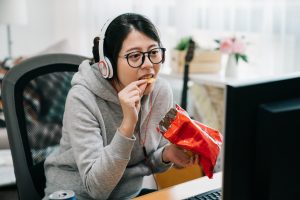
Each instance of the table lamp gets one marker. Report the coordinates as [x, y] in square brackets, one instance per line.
[12, 12]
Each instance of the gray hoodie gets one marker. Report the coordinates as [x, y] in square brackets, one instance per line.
[94, 159]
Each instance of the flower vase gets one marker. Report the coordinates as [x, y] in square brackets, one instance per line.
[231, 66]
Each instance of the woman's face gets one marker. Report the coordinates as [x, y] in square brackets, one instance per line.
[137, 42]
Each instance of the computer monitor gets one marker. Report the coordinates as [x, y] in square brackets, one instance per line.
[262, 134]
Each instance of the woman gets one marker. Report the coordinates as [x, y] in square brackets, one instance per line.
[109, 139]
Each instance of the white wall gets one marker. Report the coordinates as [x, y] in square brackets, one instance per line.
[49, 21]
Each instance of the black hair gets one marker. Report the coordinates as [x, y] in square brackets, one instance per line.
[116, 33]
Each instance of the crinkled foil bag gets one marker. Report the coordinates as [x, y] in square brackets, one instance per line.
[193, 136]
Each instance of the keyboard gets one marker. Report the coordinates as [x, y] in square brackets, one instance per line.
[210, 195]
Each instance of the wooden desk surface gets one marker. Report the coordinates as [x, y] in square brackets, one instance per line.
[185, 190]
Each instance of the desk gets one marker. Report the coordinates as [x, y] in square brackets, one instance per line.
[185, 190]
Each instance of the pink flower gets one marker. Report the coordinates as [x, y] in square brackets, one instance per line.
[233, 46]
[238, 47]
[226, 46]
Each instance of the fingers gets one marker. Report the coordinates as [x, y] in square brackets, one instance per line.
[134, 93]
[130, 101]
[180, 157]
[183, 158]
[139, 82]
[142, 88]
[139, 86]
[183, 163]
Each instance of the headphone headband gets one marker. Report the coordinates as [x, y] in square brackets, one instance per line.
[104, 64]
[102, 36]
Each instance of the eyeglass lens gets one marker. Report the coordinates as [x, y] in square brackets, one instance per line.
[136, 59]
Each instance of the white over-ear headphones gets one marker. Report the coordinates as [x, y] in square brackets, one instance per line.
[104, 65]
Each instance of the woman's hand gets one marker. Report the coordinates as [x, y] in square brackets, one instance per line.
[178, 156]
[130, 100]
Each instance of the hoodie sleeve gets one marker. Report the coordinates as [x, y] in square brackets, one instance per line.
[162, 104]
[100, 167]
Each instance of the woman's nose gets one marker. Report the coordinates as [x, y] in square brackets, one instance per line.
[147, 63]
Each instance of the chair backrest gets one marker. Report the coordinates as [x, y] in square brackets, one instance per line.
[34, 94]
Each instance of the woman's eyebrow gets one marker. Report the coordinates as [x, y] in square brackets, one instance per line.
[153, 45]
[133, 48]
[139, 48]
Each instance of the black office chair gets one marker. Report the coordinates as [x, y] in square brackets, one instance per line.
[33, 95]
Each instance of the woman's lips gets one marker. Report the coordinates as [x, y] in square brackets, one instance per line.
[146, 76]
[151, 80]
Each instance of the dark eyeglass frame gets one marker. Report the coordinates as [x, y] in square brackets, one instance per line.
[163, 50]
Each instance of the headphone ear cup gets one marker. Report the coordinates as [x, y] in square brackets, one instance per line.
[105, 68]
[109, 67]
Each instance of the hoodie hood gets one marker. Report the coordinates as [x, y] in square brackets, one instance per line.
[90, 77]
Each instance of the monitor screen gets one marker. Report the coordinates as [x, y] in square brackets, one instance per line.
[262, 133]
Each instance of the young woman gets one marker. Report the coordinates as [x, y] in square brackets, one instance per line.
[109, 139]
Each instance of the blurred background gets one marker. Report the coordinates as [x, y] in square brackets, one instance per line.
[270, 27]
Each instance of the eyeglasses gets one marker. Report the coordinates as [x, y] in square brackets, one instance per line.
[137, 58]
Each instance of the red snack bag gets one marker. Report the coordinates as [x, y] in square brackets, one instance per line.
[192, 135]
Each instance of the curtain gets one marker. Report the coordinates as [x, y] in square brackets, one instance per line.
[270, 27]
